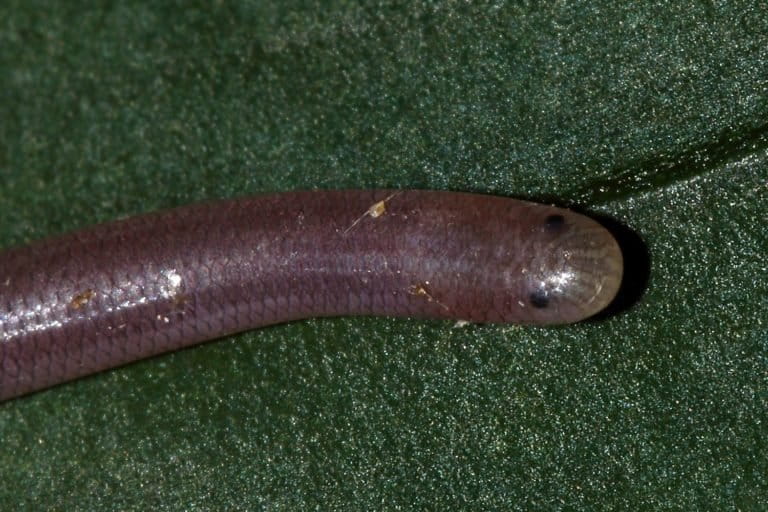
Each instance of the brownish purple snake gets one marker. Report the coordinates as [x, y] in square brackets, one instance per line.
[118, 292]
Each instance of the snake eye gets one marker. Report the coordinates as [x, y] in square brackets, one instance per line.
[554, 223]
[539, 299]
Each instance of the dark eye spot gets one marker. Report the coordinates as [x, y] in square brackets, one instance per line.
[554, 223]
[539, 299]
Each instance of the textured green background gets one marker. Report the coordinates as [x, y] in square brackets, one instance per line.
[653, 113]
